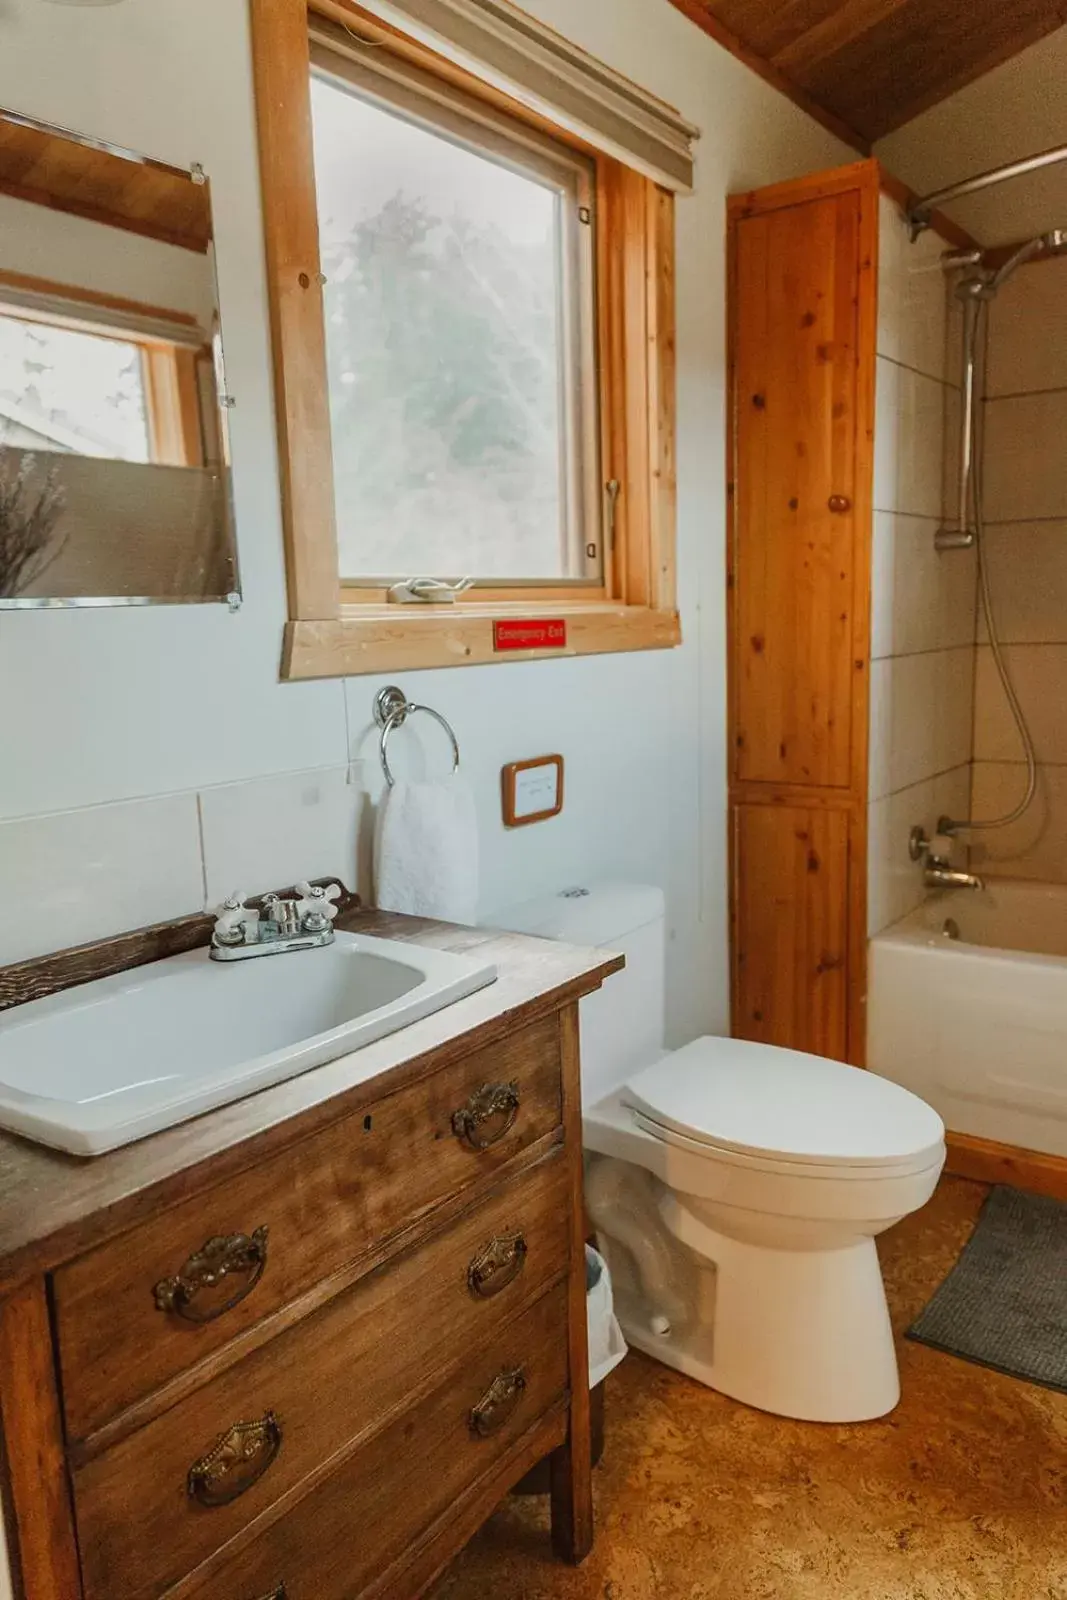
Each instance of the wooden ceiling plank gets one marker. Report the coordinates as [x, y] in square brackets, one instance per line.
[917, 52]
[142, 197]
[872, 65]
[995, 56]
[698, 13]
[769, 26]
[835, 34]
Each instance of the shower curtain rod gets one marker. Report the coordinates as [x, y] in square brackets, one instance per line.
[920, 211]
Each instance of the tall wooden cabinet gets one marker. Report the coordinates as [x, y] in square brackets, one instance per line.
[802, 315]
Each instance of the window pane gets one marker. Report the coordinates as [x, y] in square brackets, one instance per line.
[446, 351]
[71, 392]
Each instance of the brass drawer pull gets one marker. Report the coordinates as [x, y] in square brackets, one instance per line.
[497, 1265]
[277, 1594]
[214, 1261]
[498, 1402]
[236, 1461]
[494, 1103]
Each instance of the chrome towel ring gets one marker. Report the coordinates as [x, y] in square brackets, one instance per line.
[391, 710]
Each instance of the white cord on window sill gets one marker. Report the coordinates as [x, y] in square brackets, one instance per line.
[428, 591]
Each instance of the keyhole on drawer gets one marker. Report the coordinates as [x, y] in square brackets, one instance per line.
[367, 1121]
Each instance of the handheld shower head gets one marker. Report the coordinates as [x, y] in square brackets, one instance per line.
[1052, 243]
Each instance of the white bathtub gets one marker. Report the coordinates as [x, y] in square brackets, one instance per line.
[977, 1025]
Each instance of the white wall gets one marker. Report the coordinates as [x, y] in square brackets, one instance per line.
[91, 255]
[922, 603]
[138, 713]
[1015, 110]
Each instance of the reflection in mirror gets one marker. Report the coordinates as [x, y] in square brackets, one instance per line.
[114, 461]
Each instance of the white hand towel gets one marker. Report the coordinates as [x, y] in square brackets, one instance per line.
[426, 850]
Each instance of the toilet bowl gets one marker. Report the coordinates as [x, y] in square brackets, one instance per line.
[737, 1188]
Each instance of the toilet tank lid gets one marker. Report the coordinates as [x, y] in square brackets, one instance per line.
[593, 914]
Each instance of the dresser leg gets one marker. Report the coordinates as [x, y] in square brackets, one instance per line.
[572, 1488]
[572, 1463]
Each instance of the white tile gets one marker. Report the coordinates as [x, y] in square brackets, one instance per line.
[894, 881]
[913, 297]
[1025, 470]
[920, 599]
[909, 441]
[1028, 331]
[73, 876]
[1039, 674]
[270, 832]
[921, 717]
[1028, 579]
[1035, 847]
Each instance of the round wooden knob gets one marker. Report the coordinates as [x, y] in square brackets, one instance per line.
[840, 502]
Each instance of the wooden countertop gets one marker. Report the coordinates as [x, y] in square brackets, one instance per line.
[55, 1206]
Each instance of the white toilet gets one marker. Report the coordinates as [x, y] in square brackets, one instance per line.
[736, 1188]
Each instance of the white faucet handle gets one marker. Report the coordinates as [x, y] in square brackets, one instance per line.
[316, 901]
[231, 915]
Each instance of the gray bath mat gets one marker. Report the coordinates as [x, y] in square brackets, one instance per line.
[1004, 1304]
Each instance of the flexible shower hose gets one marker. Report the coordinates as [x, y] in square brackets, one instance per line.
[995, 647]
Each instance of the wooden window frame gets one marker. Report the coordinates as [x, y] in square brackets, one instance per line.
[328, 635]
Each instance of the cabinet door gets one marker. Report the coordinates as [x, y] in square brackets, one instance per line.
[795, 331]
[791, 927]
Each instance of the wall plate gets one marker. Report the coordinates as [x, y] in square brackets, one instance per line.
[532, 790]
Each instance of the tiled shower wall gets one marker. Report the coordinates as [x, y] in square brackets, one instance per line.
[922, 617]
[1025, 461]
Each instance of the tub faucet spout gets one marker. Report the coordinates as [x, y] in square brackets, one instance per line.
[939, 875]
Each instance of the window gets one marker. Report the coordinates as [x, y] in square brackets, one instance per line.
[73, 392]
[459, 338]
[76, 380]
[469, 231]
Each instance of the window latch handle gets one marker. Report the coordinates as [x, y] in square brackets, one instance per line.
[428, 591]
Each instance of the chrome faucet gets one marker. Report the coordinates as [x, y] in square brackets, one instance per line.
[938, 871]
[281, 925]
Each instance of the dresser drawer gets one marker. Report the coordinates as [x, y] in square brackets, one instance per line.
[323, 1382]
[155, 1301]
[367, 1514]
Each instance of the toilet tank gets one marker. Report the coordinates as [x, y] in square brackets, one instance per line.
[623, 1023]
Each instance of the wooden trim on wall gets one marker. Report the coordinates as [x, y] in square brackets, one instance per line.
[710, 24]
[988, 1161]
[282, 71]
[392, 639]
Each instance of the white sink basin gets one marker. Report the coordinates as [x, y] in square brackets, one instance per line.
[111, 1061]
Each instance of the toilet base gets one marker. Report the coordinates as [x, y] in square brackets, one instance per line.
[798, 1327]
[800, 1333]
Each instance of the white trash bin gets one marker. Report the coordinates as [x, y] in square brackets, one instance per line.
[606, 1343]
[606, 1349]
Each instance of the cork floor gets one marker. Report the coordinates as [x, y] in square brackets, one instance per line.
[961, 1494]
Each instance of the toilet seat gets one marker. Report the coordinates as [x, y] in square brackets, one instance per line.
[768, 1108]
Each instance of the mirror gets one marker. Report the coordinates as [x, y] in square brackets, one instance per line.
[114, 457]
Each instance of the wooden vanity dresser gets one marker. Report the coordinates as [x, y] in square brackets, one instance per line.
[299, 1348]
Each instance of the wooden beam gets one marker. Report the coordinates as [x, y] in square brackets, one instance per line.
[698, 13]
[988, 1161]
[282, 69]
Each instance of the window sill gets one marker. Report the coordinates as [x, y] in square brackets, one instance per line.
[395, 638]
